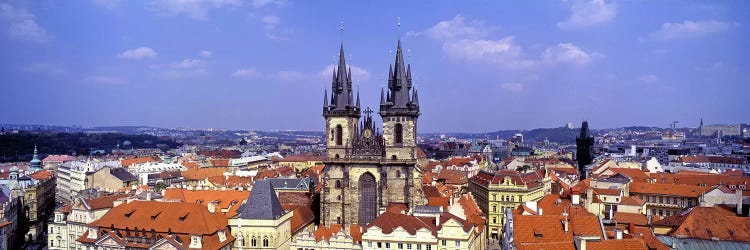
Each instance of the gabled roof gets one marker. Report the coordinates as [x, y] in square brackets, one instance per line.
[708, 223]
[263, 204]
[42, 175]
[389, 221]
[102, 202]
[224, 199]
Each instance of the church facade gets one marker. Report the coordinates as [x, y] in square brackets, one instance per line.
[369, 169]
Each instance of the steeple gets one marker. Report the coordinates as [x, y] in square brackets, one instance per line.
[36, 164]
[584, 130]
[342, 101]
[400, 99]
[382, 97]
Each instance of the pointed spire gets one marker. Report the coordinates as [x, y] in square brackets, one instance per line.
[382, 97]
[325, 99]
[357, 97]
[415, 98]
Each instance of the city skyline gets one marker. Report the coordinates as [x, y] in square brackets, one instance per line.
[478, 67]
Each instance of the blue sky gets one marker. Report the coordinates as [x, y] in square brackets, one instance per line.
[478, 65]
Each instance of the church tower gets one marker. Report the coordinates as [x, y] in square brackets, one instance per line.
[341, 113]
[399, 108]
[366, 171]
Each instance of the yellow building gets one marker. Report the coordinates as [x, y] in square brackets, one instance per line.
[301, 162]
[507, 189]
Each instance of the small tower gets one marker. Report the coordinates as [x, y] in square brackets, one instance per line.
[340, 112]
[36, 164]
[584, 149]
[399, 109]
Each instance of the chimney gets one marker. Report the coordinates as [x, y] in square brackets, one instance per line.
[631, 228]
[618, 234]
[580, 243]
[739, 201]
[575, 196]
[148, 195]
[211, 207]
[539, 211]
[437, 220]
[565, 224]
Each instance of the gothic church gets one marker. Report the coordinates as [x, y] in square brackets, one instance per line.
[367, 170]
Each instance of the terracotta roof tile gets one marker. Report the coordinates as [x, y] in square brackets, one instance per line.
[633, 244]
[707, 223]
[202, 173]
[302, 158]
[41, 175]
[227, 199]
[132, 161]
[301, 217]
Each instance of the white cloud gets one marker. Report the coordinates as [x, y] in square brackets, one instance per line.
[184, 68]
[263, 3]
[289, 76]
[138, 53]
[21, 25]
[109, 4]
[270, 22]
[586, 14]
[246, 73]
[512, 86]
[504, 52]
[688, 29]
[357, 72]
[457, 28]
[649, 78]
[197, 9]
[567, 53]
[189, 64]
[99, 79]
[205, 53]
[45, 68]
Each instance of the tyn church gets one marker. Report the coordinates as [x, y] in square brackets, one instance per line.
[367, 170]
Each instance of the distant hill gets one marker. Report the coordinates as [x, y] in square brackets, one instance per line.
[561, 135]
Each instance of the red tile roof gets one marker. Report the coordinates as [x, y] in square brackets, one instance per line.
[42, 175]
[633, 244]
[227, 199]
[388, 221]
[301, 217]
[58, 158]
[708, 223]
[202, 173]
[667, 189]
[302, 158]
[132, 161]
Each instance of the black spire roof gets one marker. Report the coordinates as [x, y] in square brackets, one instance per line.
[342, 101]
[400, 100]
[262, 204]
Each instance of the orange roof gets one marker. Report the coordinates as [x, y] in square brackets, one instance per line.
[439, 201]
[355, 231]
[707, 223]
[648, 236]
[301, 217]
[389, 221]
[231, 181]
[227, 199]
[180, 217]
[554, 204]
[606, 191]
[627, 218]
[667, 189]
[217, 162]
[190, 164]
[323, 232]
[132, 161]
[633, 173]
[631, 201]
[636, 243]
[202, 173]
[302, 158]
[41, 175]
[103, 202]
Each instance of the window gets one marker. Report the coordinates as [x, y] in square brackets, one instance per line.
[398, 133]
[387, 245]
[494, 197]
[253, 242]
[494, 208]
[369, 244]
[408, 246]
[661, 199]
[51, 230]
[458, 243]
[429, 247]
[51, 243]
[380, 244]
[661, 212]
[419, 246]
[398, 173]
[675, 201]
[338, 184]
[339, 135]
[400, 245]
[265, 242]
[494, 220]
[338, 220]
[338, 197]
[445, 242]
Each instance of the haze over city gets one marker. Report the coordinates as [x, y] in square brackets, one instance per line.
[479, 66]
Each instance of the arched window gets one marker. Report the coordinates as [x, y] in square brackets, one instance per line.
[253, 242]
[240, 240]
[398, 133]
[333, 135]
[393, 157]
[265, 241]
[338, 184]
[339, 135]
[338, 197]
[398, 173]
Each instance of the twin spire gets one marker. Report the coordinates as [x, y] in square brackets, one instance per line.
[401, 98]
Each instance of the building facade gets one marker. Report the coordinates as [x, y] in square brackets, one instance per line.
[367, 171]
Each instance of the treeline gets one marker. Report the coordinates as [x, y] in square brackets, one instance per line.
[20, 146]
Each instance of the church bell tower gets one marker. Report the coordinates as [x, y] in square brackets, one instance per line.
[340, 111]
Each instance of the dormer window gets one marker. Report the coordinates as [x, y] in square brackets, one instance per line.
[222, 236]
[195, 241]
